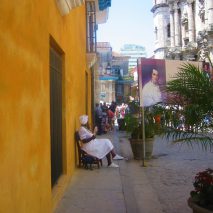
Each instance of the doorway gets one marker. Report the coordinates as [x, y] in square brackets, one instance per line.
[56, 61]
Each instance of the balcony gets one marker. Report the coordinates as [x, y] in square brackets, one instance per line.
[101, 15]
[94, 16]
[91, 28]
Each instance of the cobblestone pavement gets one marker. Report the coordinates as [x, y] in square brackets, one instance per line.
[171, 173]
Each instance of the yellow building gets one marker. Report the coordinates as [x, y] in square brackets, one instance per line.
[45, 84]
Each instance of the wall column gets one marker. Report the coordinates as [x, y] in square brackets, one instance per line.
[191, 23]
[172, 30]
[177, 26]
[183, 29]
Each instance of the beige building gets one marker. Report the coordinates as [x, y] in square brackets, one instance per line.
[104, 82]
[120, 67]
[112, 81]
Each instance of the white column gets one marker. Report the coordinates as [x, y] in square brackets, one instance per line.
[183, 30]
[172, 29]
[191, 23]
[177, 26]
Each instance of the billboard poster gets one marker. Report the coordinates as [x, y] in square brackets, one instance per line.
[152, 79]
[153, 75]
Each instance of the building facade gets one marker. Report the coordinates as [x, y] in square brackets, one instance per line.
[112, 81]
[48, 52]
[134, 52]
[120, 67]
[183, 29]
[104, 78]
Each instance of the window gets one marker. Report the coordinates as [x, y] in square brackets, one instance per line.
[156, 33]
[168, 31]
[186, 41]
[91, 26]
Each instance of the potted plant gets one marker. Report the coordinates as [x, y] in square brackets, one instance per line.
[201, 199]
[134, 127]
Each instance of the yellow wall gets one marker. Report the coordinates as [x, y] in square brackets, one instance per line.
[26, 27]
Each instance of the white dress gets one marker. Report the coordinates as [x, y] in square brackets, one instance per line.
[96, 147]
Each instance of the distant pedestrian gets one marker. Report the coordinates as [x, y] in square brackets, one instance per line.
[113, 106]
[111, 116]
[98, 118]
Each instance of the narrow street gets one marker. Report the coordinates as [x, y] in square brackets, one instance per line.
[145, 64]
[162, 186]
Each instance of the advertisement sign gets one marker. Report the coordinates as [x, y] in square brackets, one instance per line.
[152, 77]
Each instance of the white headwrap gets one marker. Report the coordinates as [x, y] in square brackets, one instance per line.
[83, 119]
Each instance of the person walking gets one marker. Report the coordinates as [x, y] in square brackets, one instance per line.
[98, 118]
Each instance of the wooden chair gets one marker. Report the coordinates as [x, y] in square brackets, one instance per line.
[82, 155]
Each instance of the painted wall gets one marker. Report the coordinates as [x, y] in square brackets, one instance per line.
[172, 67]
[26, 27]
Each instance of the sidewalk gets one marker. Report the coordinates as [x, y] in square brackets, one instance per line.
[162, 186]
[112, 190]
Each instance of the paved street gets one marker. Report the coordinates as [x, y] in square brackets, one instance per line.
[163, 186]
[172, 172]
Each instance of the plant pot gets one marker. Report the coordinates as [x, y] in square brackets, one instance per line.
[137, 148]
[196, 208]
[149, 147]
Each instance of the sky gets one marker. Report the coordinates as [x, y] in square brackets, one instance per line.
[129, 22]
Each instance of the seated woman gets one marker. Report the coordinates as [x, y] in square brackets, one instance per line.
[96, 147]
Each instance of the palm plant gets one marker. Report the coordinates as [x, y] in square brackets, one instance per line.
[133, 124]
[192, 90]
